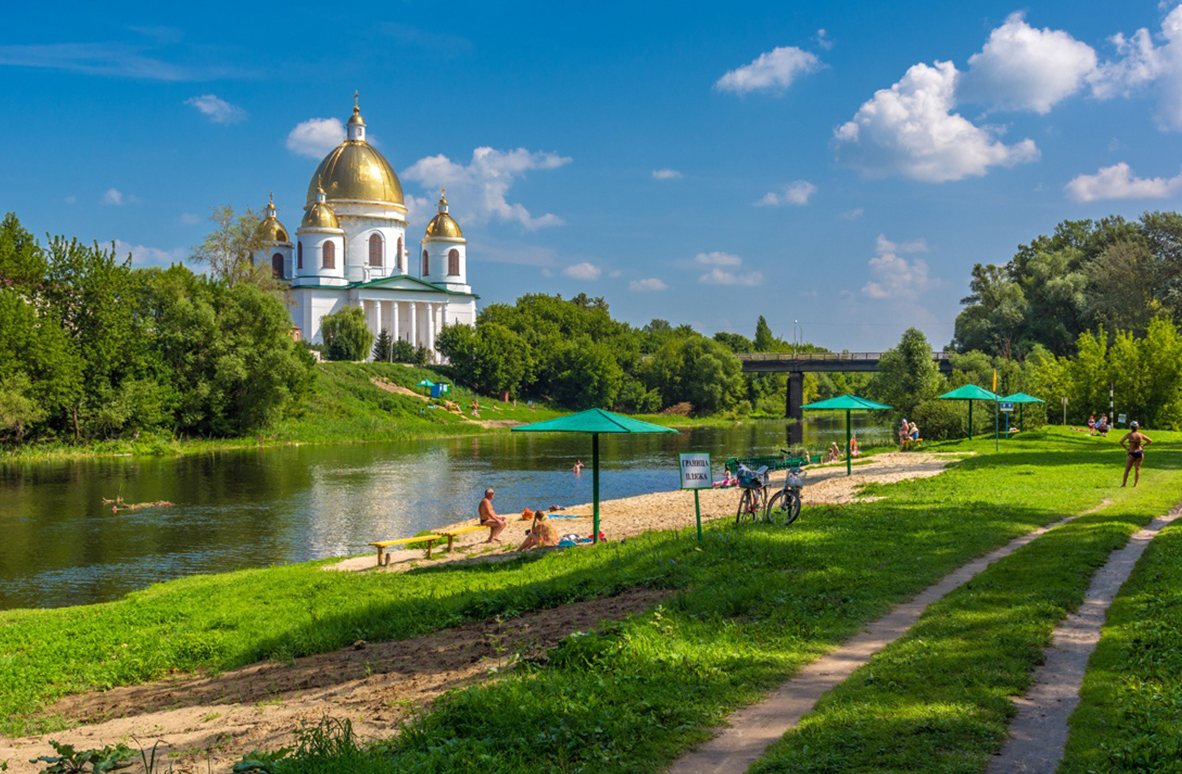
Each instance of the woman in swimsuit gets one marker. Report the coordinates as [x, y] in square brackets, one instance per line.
[1136, 443]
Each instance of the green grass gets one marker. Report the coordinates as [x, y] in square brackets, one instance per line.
[752, 605]
[1130, 708]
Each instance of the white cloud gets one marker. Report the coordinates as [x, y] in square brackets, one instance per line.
[796, 193]
[142, 255]
[649, 285]
[1142, 64]
[315, 137]
[1118, 182]
[113, 59]
[718, 259]
[483, 184]
[666, 174]
[217, 109]
[588, 272]
[895, 277]
[615, 274]
[189, 219]
[853, 214]
[1023, 68]
[116, 198]
[773, 71]
[823, 40]
[717, 276]
[910, 130]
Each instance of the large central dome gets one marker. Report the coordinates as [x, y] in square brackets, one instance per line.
[355, 171]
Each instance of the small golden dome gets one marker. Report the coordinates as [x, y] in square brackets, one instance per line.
[443, 225]
[271, 230]
[320, 215]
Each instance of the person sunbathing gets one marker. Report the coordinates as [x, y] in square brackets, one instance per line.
[542, 533]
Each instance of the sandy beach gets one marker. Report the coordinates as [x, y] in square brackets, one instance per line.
[630, 516]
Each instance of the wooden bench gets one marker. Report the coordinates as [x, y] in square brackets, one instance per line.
[909, 442]
[382, 545]
[452, 534]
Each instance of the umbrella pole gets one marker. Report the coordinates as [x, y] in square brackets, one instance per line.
[595, 484]
[970, 420]
[847, 442]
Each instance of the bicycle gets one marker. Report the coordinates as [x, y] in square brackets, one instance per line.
[784, 506]
[754, 500]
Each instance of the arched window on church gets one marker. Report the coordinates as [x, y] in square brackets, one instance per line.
[398, 256]
[453, 262]
[299, 255]
[375, 250]
[329, 255]
[426, 264]
[277, 265]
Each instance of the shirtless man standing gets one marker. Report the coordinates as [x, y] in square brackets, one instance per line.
[490, 519]
[1137, 441]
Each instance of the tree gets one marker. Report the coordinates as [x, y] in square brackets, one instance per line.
[585, 375]
[907, 375]
[346, 334]
[229, 250]
[764, 340]
[382, 348]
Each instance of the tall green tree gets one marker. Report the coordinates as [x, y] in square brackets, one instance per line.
[346, 334]
[229, 250]
[907, 375]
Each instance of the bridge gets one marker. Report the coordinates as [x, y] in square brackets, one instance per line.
[796, 364]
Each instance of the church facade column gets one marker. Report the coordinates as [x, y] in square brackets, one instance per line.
[413, 328]
[394, 320]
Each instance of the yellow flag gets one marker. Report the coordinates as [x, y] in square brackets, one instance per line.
[995, 380]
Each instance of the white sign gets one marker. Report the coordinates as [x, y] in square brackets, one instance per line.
[695, 470]
[1006, 406]
[1121, 418]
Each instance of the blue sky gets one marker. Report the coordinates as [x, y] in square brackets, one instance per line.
[840, 165]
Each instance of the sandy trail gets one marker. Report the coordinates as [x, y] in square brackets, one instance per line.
[205, 723]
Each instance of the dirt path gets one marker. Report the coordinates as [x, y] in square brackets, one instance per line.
[1039, 733]
[208, 723]
[751, 730]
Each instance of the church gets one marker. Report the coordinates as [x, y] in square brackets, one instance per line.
[350, 250]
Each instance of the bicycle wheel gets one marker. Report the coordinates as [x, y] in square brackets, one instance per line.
[748, 505]
[784, 507]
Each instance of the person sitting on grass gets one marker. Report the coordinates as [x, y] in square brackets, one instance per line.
[542, 533]
[489, 517]
[834, 452]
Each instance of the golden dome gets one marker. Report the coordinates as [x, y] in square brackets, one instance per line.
[443, 225]
[356, 171]
[320, 215]
[271, 230]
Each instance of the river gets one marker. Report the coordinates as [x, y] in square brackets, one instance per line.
[255, 508]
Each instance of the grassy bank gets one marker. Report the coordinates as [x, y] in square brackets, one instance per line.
[630, 696]
[345, 406]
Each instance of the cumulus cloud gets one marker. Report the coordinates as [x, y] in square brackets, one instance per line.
[796, 193]
[910, 129]
[896, 277]
[1118, 182]
[583, 271]
[483, 184]
[142, 255]
[666, 174]
[719, 276]
[116, 198]
[1141, 64]
[774, 71]
[315, 137]
[217, 109]
[1023, 68]
[718, 259]
[823, 40]
[649, 285]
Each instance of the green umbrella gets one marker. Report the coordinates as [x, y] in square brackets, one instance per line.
[847, 403]
[1020, 398]
[970, 392]
[425, 383]
[593, 422]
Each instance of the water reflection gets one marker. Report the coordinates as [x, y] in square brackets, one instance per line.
[255, 508]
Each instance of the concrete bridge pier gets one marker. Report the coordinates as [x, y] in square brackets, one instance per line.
[795, 399]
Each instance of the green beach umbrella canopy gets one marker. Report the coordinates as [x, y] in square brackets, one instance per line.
[847, 403]
[970, 392]
[593, 422]
[425, 383]
[1021, 397]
